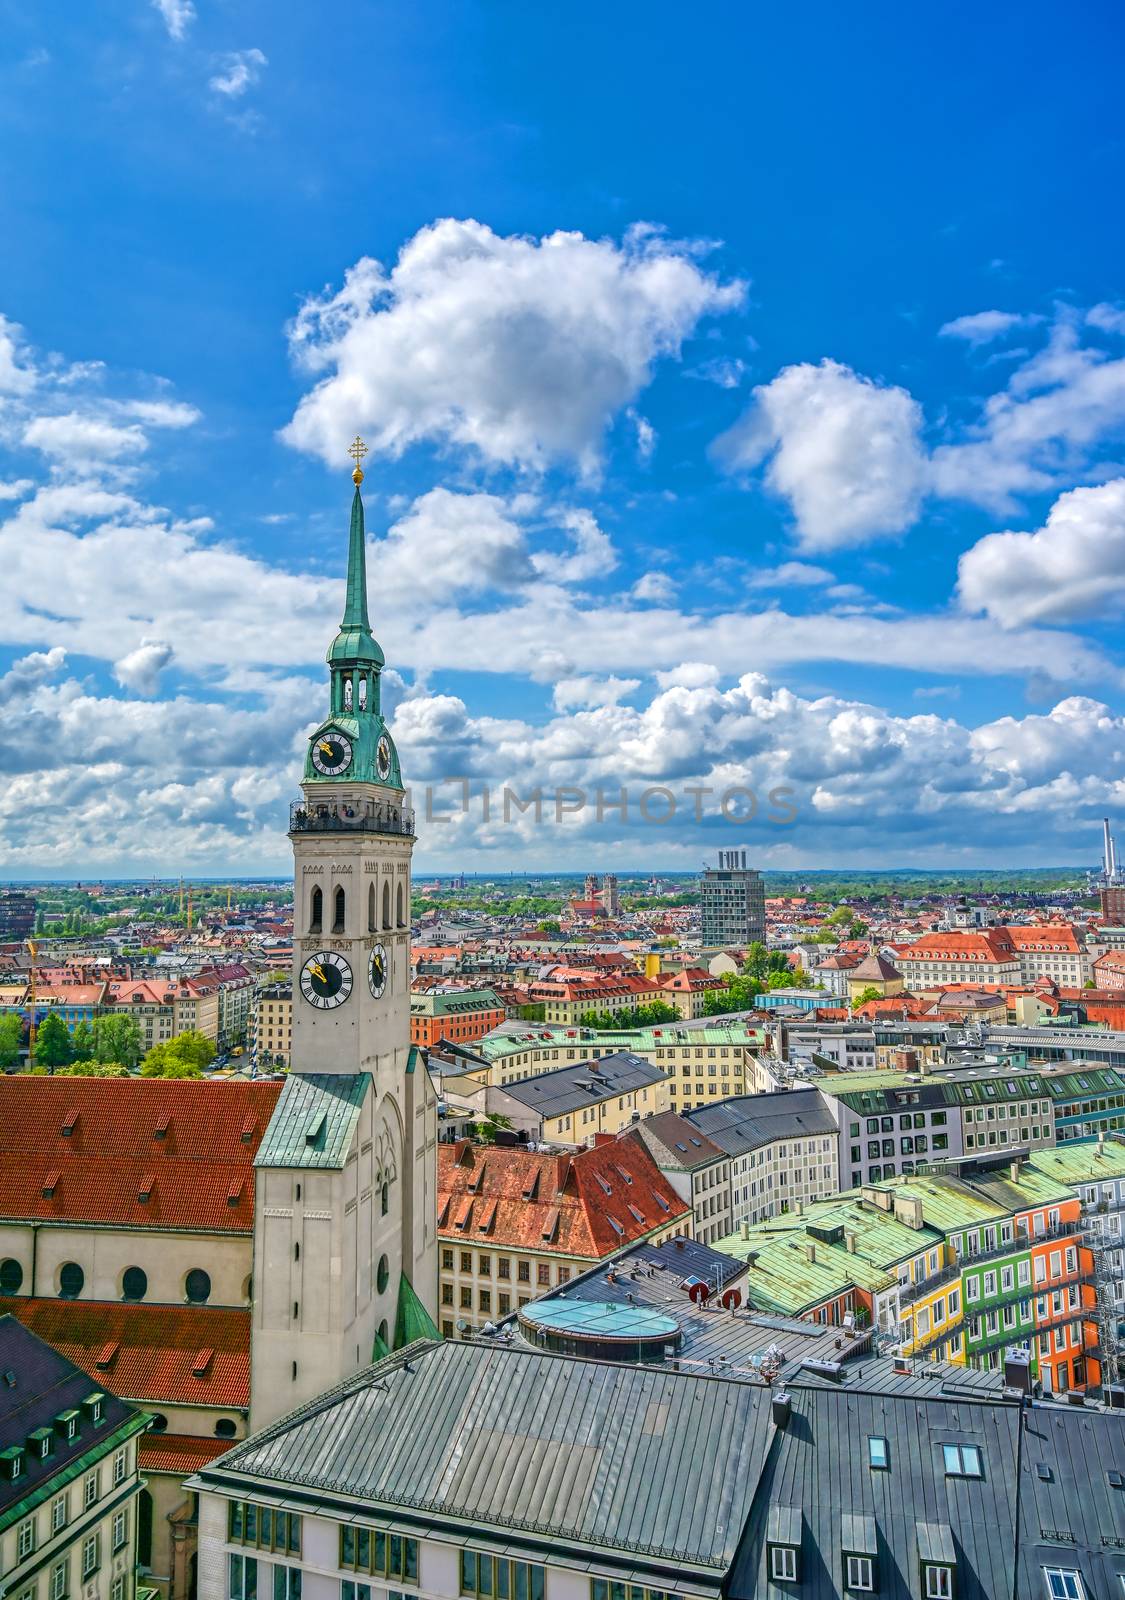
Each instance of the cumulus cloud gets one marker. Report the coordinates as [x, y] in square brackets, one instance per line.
[29, 671]
[236, 72]
[592, 554]
[140, 669]
[585, 692]
[17, 375]
[519, 349]
[178, 17]
[790, 575]
[84, 438]
[1070, 570]
[451, 543]
[846, 453]
[982, 327]
[657, 587]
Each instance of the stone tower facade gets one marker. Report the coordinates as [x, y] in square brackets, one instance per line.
[345, 1244]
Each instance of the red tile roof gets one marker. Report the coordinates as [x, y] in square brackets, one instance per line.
[211, 1132]
[588, 1204]
[149, 1353]
[179, 1453]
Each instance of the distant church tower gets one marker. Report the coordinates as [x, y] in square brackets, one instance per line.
[345, 1228]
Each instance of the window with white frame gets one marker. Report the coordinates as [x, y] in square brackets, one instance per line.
[939, 1582]
[58, 1513]
[962, 1461]
[120, 1530]
[783, 1563]
[60, 1579]
[90, 1490]
[859, 1574]
[120, 1466]
[91, 1555]
[25, 1538]
[1063, 1583]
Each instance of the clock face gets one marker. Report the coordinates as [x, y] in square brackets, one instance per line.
[378, 970]
[331, 754]
[383, 758]
[326, 980]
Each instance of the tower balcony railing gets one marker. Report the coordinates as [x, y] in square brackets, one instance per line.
[333, 816]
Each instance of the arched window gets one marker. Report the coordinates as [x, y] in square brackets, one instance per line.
[363, 693]
[385, 1333]
[385, 1199]
[386, 902]
[134, 1283]
[144, 1514]
[339, 906]
[382, 1274]
[226, 1428]
[399, 903]
[197, 1286]
[11, 1276]
[316, 916]
[371, 923]
[71, 1279]
[347, 694]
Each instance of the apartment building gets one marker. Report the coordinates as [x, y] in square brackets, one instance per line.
[271, 1025]
[164, 1009]
[512, 1223]
[703, 1061]
[696, 1168]
[69, 1481]
[459, 1015]
[988, 959]
[782, 1148]
[572, 1106]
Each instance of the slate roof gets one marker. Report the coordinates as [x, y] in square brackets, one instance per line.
[818, 1464]
[674, 1143]
[584, 1083]
[586, 1203]
[149, 1353]
[187, 1144]
[37, 1385]
[315, 1120]
[749, 1121]
[576, 1455]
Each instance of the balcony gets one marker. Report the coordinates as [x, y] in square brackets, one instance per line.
[335, 817]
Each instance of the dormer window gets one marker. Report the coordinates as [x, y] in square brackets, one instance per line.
[859, 1549]
[783, 1543]
[937, 1582]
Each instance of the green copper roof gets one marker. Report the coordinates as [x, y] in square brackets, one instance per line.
[1081, 1161]
[412, 1320]
[354, 642]
[313, 1121]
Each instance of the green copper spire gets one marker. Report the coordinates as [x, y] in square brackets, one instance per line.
[354, 643]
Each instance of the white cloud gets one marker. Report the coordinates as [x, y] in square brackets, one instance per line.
[522, 350]
[161, 413]
[586, 692]
[78, 438]
[30, 671]
[140, 669]
[656, 587]
[982, 327]
[16, 488]
[1110, 319]
[790, 575]
[236, 72]
[17, 376]
[845, 452]
[1070, 570]
[725, 371]
[592, 555]
[451, 543]
[178, 17]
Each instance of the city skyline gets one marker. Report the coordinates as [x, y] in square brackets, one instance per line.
[744, 412]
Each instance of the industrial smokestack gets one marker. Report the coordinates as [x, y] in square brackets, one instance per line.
[1107, 850]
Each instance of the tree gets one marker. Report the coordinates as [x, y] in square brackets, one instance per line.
[185, 1056]
[117, 1039]
[757, 962]
[11, 1036]
[864, 995]
[82, 1042]
[52, 1042]
[738, 993]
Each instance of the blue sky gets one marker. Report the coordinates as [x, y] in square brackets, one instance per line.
[746, 395]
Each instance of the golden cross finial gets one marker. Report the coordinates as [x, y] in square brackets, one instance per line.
[357, 450]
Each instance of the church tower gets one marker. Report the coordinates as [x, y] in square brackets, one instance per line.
[345, 1233]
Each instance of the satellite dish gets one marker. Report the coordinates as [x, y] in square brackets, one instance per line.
[462, 1325]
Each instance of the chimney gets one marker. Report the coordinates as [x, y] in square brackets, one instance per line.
[810, 1251]
[849, 1240]
[1100, 1152]
[1014, 1171]
[744, 1230]
[799, 1207]
[781, 1409]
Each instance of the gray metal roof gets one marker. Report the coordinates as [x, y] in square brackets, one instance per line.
[1071, 1514]
[819, 1462]
[589, 1454]
[569, 1089]
[749, 1121]
[674, 1143]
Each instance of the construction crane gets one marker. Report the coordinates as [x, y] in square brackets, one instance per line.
[33, 951]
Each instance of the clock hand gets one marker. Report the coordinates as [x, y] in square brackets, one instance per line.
[317, 971]
[325, 746]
